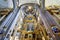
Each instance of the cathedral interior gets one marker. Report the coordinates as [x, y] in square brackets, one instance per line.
[29, 19]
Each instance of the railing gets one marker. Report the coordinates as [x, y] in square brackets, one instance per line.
[13, 24]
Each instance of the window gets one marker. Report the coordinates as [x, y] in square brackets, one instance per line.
[26, 35]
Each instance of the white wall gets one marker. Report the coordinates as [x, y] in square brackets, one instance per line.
[6, 4]
[47, 2]
[27, 1]
[9, 3]
[52, 2]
